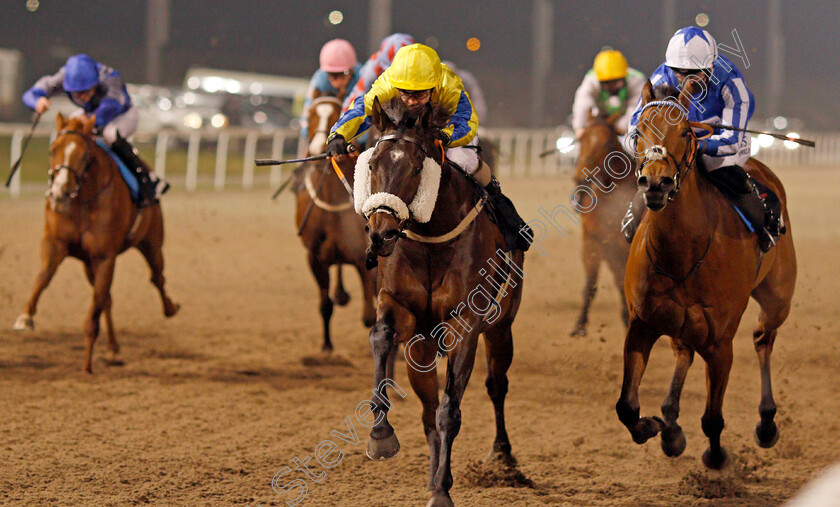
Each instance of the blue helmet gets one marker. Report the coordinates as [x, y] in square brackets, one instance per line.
[80, 73]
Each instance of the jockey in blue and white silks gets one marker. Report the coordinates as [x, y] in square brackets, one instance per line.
[723, 99]
[99, 90]
[726, 100]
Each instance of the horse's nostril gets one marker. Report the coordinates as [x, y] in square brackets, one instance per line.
[642, 181]
[668, 183]
[367, 228]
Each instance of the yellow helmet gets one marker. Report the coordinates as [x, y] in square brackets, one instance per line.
[415, 67]
[610, 65]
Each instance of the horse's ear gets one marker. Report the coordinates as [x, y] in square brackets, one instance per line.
[589, 116]
[689, 88]
[426, 116]
[316, 93]
[647, 93]
[380, 119]
[59, 122]
[611, 119]
[87, 126]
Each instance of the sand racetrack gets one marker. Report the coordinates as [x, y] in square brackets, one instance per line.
[211, 404]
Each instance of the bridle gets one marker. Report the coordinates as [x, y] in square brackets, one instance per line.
[658, 152]
[403, 223]
[87, 161]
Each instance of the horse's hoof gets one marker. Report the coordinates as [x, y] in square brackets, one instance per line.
[647, 428]
[24, 322]
[716, 460]
[766, 437]
[578, 331]
[114, 360]
[440, 500]
[327, 348]
[504, 458]
[171, 309]
[673, 441]
[342, 298]
[385, 448]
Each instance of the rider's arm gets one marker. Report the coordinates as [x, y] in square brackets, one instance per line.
[585, 97]
[463, 122]
[115, 101]
[737, 109]
[47, 86]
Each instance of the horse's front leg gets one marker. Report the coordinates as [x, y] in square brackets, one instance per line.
[458, 370]
[637, 345]
[421, 358]
[673, 439]
[394, 322]
[52, 253]
[103, 275]
[718, 365]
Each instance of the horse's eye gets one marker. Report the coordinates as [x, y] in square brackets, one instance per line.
[418, 170]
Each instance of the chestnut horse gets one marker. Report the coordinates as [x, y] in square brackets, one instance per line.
[692, 268]
[90, 216]
[333, 234]
[435, 282]
[605, 167]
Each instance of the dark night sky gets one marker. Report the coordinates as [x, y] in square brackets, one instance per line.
[284, 37]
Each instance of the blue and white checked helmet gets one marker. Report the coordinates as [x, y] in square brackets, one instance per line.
[691, 48]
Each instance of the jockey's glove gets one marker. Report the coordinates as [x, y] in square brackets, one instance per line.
[337, 146]
[443, 137]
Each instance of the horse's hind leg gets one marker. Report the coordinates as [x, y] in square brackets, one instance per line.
[341, 297]
[321, 272]
[103, 275]
[499, 346]
[673, 439]
[718, 365]
[424, 381]
[617, 260]
[151, 250]
[774, 311]
[637, 345]
[369, 290]
[52, 253]
[591, 261]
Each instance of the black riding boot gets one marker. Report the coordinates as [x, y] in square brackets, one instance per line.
[633, 217]
[151, 187]
[759, 204]
[518, 235]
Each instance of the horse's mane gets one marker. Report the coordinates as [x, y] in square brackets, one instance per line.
[403, 118]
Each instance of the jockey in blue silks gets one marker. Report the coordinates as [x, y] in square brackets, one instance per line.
[723, 99]
[99, 89]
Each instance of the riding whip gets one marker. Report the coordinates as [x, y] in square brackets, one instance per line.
[803, 142]
[23, 150]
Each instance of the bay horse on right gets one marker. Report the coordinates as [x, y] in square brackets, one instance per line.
[692, 268]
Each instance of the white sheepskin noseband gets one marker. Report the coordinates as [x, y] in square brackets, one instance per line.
[421, 206]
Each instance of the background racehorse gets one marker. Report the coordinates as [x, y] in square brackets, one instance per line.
[90, 216]
[614, 186]
[333, 233]
[437, 283]
[692, 268]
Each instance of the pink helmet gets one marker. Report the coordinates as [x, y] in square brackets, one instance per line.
[337, 55]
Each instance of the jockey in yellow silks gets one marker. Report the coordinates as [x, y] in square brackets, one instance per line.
[417, 77]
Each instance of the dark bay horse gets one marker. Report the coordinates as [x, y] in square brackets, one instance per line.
[443, 280]
[606, 168]
[692, 268]
[333, 234]
[90, 216]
